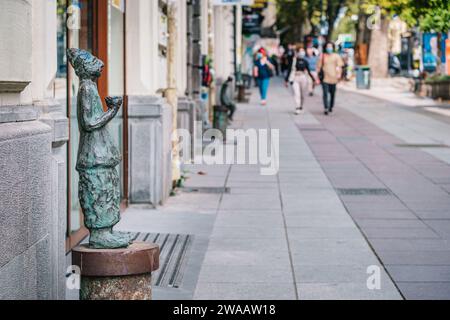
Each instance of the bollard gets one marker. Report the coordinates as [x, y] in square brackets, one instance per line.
[241, 94]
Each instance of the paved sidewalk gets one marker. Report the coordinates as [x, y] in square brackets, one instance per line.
[286, 236]
[391, 89]
[412, 123]
[310, 232]
[380, 144]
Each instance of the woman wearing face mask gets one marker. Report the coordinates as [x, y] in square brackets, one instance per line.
[312, 59]
[298, 77]
[263, 71]
[330, 69]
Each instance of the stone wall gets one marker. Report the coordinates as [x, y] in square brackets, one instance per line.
[33, 133]
[25, 186]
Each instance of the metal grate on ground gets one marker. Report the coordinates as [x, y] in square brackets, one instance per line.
[312, 128]
[364, 192]
[205, 189]
[173, 258]
[421, 145]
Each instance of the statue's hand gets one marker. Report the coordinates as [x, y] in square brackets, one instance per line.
[114, 102]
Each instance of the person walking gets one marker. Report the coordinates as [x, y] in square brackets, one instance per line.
[288, 57]
[263, 70]
[312, 59]
[274, 60]
[298, 77]
[330, 70]
[225, 98]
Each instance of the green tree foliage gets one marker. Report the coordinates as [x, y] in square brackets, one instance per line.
[433, 15]
[292, 15]
[333, 8]
[297, 14]
[430, 15]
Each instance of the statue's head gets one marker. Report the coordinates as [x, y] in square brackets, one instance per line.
[85, 64]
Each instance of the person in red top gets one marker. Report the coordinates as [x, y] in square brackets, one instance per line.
[262, 71]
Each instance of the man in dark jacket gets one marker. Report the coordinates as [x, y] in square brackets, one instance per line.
[225, 98]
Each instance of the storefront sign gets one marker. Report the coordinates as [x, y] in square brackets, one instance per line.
[233, 2]
[430, 50]
[260, 4]
[251, 23]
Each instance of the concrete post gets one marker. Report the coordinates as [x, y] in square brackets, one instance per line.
[212, 89]
[171, 92]
[196, 49]
[54, 115]
[149, 115]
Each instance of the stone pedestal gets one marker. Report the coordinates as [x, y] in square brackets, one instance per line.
[150, 157]
[117, 274]
[186, 119]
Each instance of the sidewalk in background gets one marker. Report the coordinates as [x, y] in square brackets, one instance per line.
[287, 236]
[366, 186]
[391, 164]
[396, 90]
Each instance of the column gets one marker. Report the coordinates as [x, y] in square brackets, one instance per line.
[149, 115]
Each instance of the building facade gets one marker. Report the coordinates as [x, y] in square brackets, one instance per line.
[40, 215]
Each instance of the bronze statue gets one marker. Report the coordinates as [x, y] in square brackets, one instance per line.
[98, 156]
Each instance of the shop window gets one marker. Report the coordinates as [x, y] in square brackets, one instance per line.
[98, 27]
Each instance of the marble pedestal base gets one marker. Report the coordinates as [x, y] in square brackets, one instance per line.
[117, 274]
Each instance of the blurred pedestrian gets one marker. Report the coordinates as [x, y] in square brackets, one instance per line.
[288, 57]
[298, 77]
[330, 70]
[276, 65]
[262, 71]
[225, 98]
[312, 59]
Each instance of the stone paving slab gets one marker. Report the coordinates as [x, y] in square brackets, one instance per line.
[250, 245]
[249, 219]
[273, 274]
[425, 290]
[415, 257]
[244, 291]
[327, 232]
[345, 291]
[293, 236]
[320, 274]
[417, 273]
[399, 233]
[408, 230]
[227, 258]
[251, 232]
[310, 229]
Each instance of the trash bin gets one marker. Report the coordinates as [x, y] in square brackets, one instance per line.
[362, 77]
[221, 118]
[247, 79]
[241, 93]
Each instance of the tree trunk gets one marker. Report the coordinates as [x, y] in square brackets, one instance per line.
[362, 39]
[439, 54]
[378, 50]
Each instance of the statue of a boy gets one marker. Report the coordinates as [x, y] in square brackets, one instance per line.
[98, 156]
